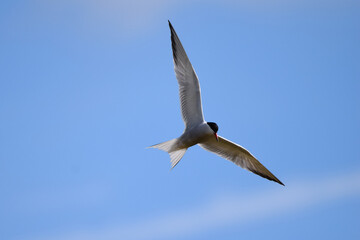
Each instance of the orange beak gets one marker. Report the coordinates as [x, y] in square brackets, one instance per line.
[216, 136]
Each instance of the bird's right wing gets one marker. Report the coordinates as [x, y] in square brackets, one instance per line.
[189, 87]
[238, 155]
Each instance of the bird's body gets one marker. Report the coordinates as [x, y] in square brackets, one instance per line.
[195, 135]
[197, 130]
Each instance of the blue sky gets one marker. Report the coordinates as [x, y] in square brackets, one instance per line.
[85, 86]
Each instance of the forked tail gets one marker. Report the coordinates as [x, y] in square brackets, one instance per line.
[171, 148]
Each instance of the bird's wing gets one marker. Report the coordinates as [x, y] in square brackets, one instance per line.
[189, 87]
[238, 155]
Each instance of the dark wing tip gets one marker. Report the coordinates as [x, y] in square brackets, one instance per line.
[271, 178]
[171, 27]
[280, 182]
[174, 37]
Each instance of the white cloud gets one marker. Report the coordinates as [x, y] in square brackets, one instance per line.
[227, 210]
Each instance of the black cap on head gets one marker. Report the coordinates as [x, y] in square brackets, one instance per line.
[213, 126]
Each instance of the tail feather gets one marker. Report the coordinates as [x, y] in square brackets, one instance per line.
[167, 146]
[176, 156]
[171, 148]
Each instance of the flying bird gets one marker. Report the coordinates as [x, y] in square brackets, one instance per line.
[197, 130]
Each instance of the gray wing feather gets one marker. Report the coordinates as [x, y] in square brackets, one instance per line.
[238, 155]
[189, 87]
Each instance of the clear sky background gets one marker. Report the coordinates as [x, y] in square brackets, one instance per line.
[85, 86]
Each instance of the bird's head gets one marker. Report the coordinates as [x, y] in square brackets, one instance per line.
[215, 129]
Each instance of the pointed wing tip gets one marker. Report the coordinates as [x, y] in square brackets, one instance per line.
[173, 33]
[279, 182]
[170, 26]
[272, 179]
[270, 176]
[174, 38]
[275, 179]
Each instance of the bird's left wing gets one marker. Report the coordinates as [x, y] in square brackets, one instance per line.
[189, 87]
[238, 155]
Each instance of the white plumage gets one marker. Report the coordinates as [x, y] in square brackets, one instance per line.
[197, 130]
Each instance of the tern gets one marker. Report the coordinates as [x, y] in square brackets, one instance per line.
[197, 130]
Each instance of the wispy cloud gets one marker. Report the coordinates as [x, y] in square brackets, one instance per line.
[125, 16]
[142, 15]
[229, 209]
